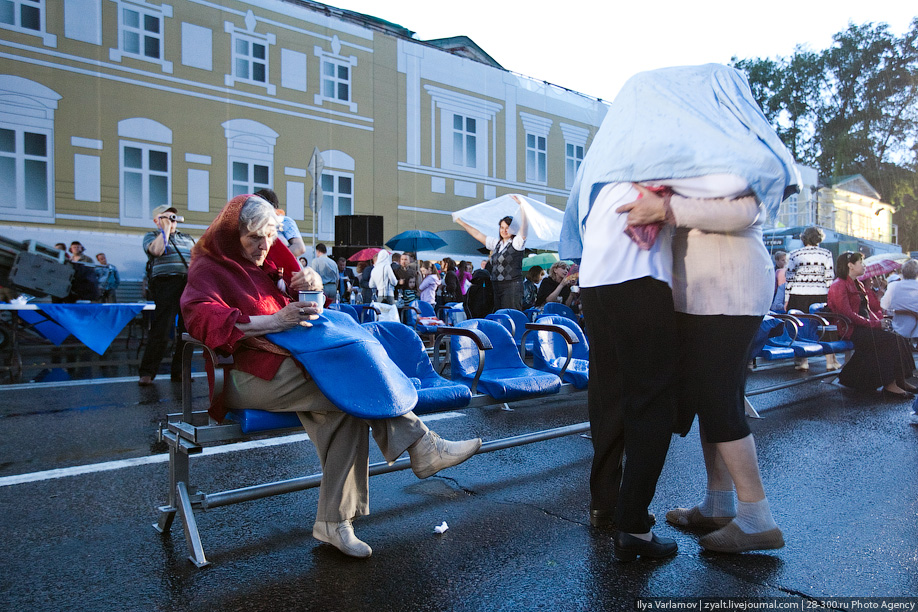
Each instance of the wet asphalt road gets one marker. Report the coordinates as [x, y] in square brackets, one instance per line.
[839, 469]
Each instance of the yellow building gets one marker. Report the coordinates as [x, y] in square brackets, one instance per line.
[109, 108]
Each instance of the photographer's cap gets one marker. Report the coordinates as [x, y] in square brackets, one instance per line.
[163, 208]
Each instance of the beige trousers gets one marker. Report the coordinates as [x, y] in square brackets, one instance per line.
[341, 440]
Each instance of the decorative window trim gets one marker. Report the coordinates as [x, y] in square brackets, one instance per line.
[162, 12]
[336, 175]
[29, 106]
[48, 40]
[249, 35]
[248, 142]
[451, 103]
[336, 59]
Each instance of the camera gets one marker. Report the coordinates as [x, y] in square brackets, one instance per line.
[173, 217]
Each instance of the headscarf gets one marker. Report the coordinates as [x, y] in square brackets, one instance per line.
[682, 122]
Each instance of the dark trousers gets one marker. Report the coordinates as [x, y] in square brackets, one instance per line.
[632, 332]
[508, 294]
[167, 291]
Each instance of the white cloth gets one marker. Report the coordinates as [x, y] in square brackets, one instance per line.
[610, 257]
[544, 221]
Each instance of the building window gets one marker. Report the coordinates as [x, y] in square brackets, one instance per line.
[465, 141]
[248, 177]
[27, 16]
[141, 32]
[573, 157]
[26, 149]
[250, 55]
[575, 139]
[536, 158]
[25, 170]
[465, 125]
[145, 174]
[250, 162]
[250, 60]
[337, 199]
[336, 76]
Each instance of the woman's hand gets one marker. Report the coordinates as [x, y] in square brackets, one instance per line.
[297, 313]
[306, 279]
[650, 207]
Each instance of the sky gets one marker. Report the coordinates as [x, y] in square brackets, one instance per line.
[594, 47]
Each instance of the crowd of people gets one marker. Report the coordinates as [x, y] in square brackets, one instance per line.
[673, 282]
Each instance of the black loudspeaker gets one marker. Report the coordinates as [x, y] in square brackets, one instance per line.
[359, 230]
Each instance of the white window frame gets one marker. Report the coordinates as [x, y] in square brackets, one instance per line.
[145, 9]
[335, 195]
[452, 103]
[250, 37]
[49, 40]
[536, 144]
[146, 173]
[251, 143]
[574, 138]
[249, 184]
[27, 106]
[336, 60]
[20, 157]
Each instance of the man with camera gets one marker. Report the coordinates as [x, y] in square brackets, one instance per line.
[168, 255]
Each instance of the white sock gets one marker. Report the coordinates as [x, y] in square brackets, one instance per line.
[718, 503]
[754, 517]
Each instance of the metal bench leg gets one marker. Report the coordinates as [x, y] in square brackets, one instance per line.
[192, 537]
[750, 410]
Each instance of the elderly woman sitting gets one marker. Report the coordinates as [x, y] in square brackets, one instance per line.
[901, 301]
[239, 289]
[881, 358]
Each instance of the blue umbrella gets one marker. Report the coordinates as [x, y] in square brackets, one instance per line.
[415, 240]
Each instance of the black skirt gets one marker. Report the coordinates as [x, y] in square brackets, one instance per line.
[880, 357]
[714, 353]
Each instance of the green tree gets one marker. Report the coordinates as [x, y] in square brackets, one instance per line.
[851, 109]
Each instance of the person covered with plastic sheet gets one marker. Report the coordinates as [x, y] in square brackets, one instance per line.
[881, 358]
[240, 288]
[673, 190]
[383, 279]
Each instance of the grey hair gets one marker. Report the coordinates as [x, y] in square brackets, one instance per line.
[255, 214]
[910, 269]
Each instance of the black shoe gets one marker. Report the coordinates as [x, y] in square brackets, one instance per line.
[604, 519]
[628, 547]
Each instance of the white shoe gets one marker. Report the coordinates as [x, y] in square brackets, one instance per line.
[432, 453]
[913, 418]
[832, 363]
[341, 536]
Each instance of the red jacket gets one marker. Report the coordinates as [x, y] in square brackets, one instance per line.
[845, 299]
[224, 289]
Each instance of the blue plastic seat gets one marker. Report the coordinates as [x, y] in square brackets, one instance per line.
[519, 326]
[347, 309]
[405, 348]
[771, 326]
[557, 308]
[831, 346]
[801, 346]
[504, 376]
[410, 317]
[549, 352]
